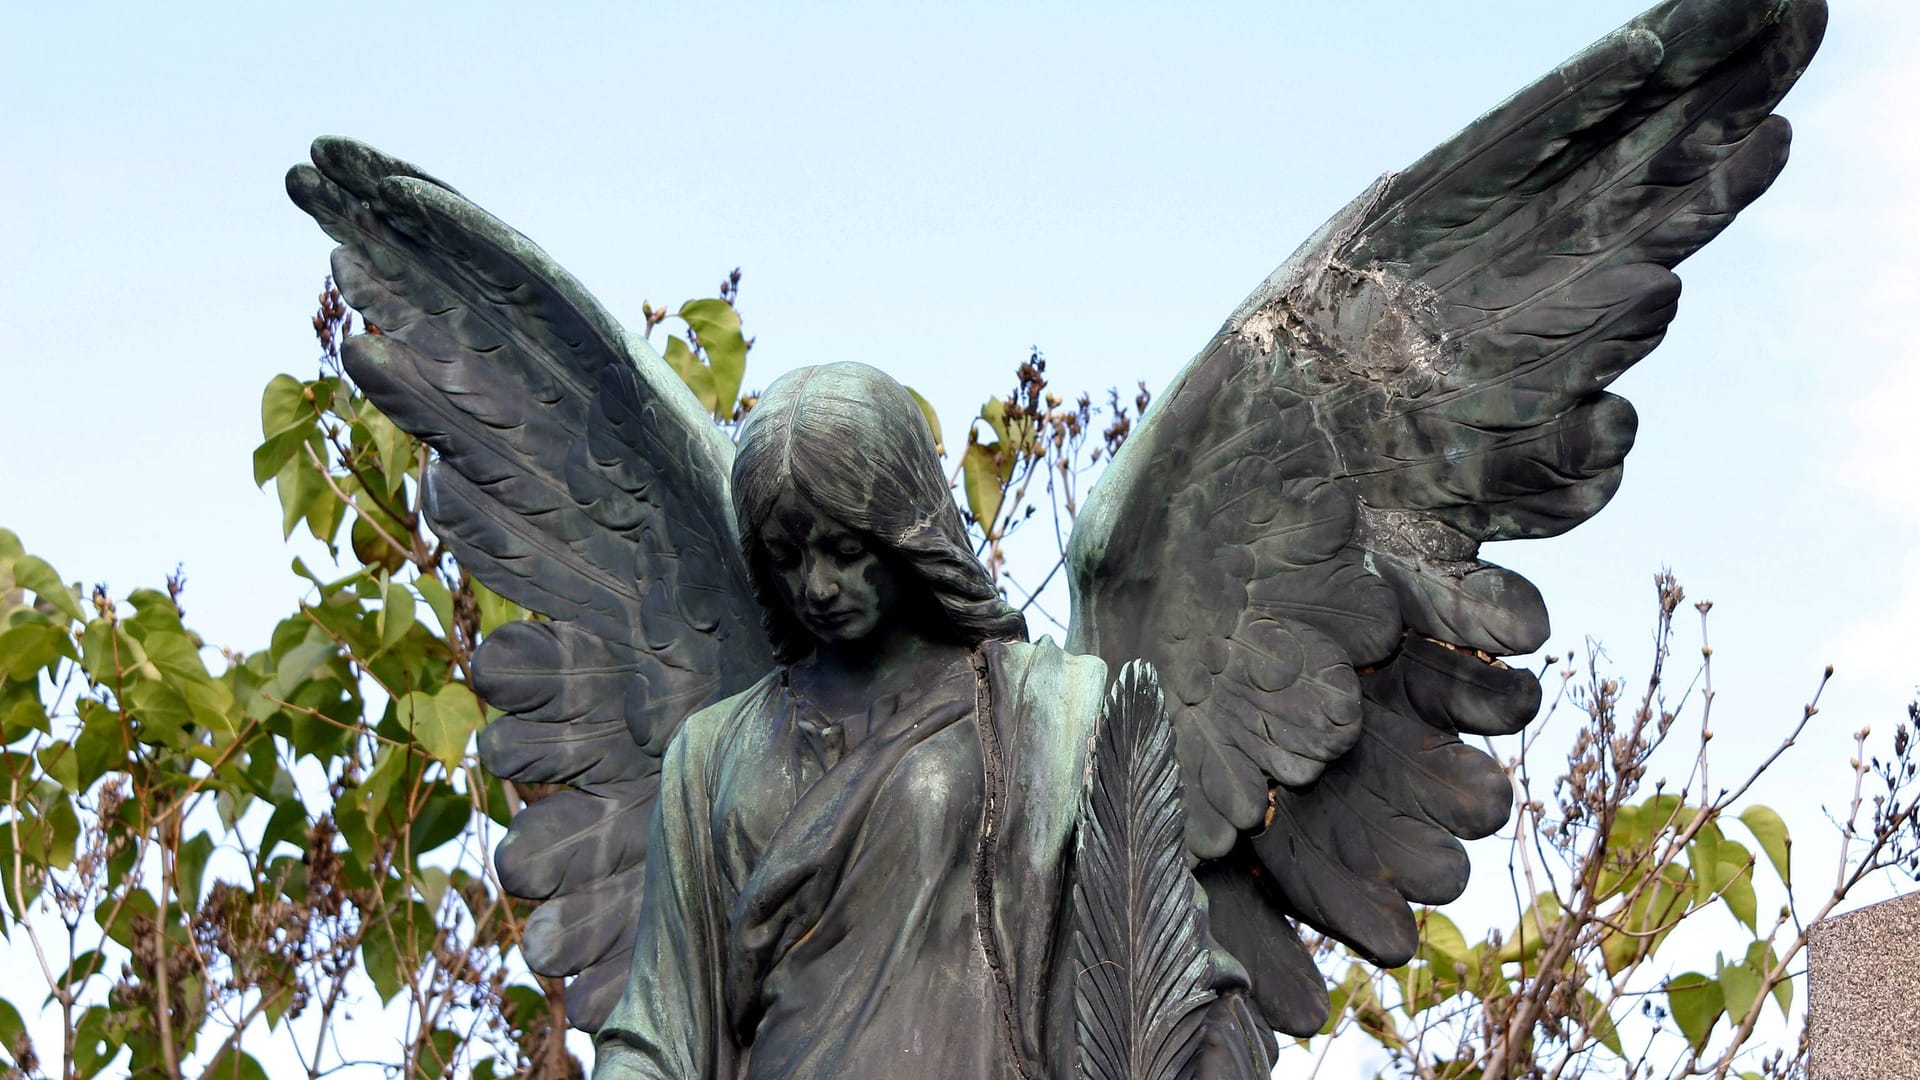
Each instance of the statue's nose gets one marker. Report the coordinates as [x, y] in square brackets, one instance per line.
[822, 583]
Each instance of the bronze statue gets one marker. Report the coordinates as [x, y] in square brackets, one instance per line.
[831, 814]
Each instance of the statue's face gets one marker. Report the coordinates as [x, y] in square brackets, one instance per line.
[837, 587]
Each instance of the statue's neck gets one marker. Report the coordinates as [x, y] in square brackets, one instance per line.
[845, 682]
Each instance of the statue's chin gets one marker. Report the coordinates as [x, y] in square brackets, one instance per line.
[842, 632]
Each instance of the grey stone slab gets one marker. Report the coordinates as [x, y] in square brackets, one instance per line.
[1863, 1008]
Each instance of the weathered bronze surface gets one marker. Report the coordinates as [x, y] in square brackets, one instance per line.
[831, 814]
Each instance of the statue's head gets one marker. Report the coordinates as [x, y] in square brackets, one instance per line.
[847, 521]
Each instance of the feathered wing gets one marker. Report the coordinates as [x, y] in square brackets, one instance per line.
[575, 476]
[1291, 534]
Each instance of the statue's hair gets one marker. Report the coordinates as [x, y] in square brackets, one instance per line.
[853, 442]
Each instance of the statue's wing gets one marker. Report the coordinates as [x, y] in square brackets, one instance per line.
[577, 477]
[1291, 533]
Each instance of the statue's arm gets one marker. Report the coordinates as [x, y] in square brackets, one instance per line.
[669, 1024]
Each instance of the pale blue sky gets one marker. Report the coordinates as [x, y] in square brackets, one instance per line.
[934, 192]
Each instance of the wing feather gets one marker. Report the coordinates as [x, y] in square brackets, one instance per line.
[572, 933]
[571, 841]
[1139, 949]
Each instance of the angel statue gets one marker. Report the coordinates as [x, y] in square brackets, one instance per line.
[828, 813]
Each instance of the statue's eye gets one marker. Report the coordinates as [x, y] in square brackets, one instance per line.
[848, 548]
[783, 556]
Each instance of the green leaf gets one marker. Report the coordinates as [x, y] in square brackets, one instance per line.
[1703, 856]
[190, 867]
[980, 475]
[326, 714]
[443, 817]
[370, 547]
[994, 412]
[1662, 812]
[301, 485]
[298, 484]
[59, 761]
[1783, 996]
[1442, 941]
[176, 653]
[230, 804]
[21, 712]
[443, 721]
[343, 617]
[1760, 960]
[495, 800]
[32, 644]
[301, 568]
[521, 1004]
[13, 1031]
[93, 1049]
[1696, 1003]
[1740, 985]
[933, 421]
[263, 775]
[1418, 991]
[718, 326]
[439, 601]
[100, 746]
[288, 411]
[395, 447]
[1599, 1023]
[495, 610]
[698, 376]
[437, 1056]
[396, 613]
[299, 649]
[383, 794]
[84, 964]
[1656, 911]
[288, 825]
[1738, 890]
[274, 455]
[433, 882]
[1767, 827]
[233, 1064]
[133, 904]
[26, 889]
[284, 404]
[358, 835]
[34, 575]
[48, 827]
[65, 835]
[382, 964]
[111, 656]
[325, 512]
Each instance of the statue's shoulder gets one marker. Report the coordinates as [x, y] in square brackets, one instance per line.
[1046, 678]
[713, 726]
[1044, 655]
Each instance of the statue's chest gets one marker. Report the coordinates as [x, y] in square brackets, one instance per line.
[922, 818]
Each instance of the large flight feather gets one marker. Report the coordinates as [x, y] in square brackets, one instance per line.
[1139, 952]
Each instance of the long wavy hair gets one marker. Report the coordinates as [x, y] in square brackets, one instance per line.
[855, 444]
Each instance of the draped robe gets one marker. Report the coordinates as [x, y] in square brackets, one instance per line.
[893, 908]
